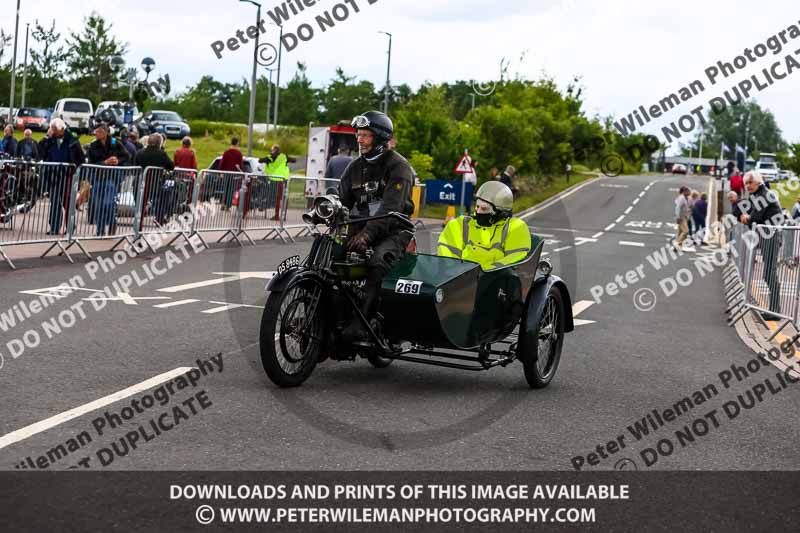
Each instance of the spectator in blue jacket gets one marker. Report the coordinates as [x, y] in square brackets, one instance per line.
[60, 146]
[9, 144]
[699, 212]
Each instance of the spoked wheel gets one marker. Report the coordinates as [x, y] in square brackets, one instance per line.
[292, 330]
[539, 371]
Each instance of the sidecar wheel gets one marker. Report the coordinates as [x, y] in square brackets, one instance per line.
[540, 369]
[379, 362]
[292, 330]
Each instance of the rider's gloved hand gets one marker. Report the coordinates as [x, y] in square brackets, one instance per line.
[358, 243]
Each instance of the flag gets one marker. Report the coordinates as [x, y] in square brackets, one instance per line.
[739, 148]
[725, 148]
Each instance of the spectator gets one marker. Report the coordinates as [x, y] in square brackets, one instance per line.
[737, 182]
[699, 212]
[105, 150]
[493, 173]
[764, 208]
[338, 164]
[232, 161]
[133, 137]
[124, 138]
[161, 187]
[60, 146]
[507, 177]
[796, 210]
[682, 215]
[693, 197]
[27, 147]
[9, 143]
[733, 198]
[185, 156]
[277, 170]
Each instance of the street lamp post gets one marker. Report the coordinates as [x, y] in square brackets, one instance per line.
[278, 79]
[269, 94]
[25, 67]
[388, 71]
[252, 114]
[14, 68]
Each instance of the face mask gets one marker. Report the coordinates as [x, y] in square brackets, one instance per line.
[484, 219]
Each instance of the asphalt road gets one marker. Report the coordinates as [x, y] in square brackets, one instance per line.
[619, 365]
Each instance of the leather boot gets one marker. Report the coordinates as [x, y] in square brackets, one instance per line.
[356, 331]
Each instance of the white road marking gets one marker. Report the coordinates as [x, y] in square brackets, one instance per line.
[643, 192]
[226, 306]
[635, 201]
[226, 277]
[629, 243]
[580, 322]
[609, 227]
[555, 200]
[562, 248]
[174, 304]
[57, 292]
[613, 186]
[640, 232]
[126, 298]
[584, 240]
[597, 235]
[619, 219]
[545, 235]
[44, 425]
[581, 306]
[551, 241]
[630, 208]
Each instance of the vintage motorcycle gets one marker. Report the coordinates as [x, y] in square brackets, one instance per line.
[433, 310]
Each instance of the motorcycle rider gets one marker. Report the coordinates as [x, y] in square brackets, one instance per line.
[492, 237]
[376, 183]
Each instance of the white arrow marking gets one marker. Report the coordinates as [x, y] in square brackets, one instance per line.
[226, 277]
[578, 308]
[127, 299]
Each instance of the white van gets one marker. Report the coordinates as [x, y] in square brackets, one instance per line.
[76, 112]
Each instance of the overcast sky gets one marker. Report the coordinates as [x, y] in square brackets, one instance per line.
[628, 54]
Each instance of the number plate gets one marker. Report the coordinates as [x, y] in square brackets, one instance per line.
[405, 286]
[286, 264]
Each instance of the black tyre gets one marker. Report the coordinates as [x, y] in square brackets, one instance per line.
[379, 362]
[292, 330]
[543, 362]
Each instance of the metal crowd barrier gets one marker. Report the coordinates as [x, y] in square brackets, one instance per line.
[166, 196]
[34, 204]
[264, 206]
[222, 194]
[769, 266]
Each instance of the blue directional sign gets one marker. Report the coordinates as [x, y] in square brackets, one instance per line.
[448, 192]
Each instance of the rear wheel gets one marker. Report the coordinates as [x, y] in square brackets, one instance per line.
[292, 330]
[542, 364]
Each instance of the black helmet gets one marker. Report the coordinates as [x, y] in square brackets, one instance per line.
[378, 123]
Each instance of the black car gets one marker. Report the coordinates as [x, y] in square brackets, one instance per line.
[168, 123]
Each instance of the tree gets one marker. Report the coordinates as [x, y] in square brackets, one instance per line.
[299, 101]
[5, 41]
[49, 61]
[90, 54]
[729, 127]
[343, 99]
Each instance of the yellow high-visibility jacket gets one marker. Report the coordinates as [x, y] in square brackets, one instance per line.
[496, 246]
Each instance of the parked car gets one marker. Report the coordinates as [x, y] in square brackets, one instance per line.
[768, 170]
[167, 122]
[114, 116]
[75, 112]
[32, 118]
[679, 168]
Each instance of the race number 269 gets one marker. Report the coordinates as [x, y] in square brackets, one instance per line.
[405, 286]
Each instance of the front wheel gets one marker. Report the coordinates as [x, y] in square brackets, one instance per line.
[540, 369]
[292, 331]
